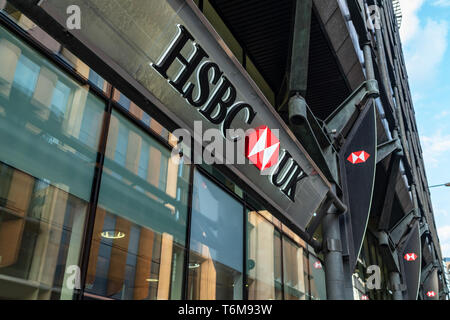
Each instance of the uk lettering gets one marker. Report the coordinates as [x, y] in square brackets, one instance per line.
[218, 105]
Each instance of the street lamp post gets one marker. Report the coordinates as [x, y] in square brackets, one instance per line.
[440, 185]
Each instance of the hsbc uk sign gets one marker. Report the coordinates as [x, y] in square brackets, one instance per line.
[208, 90]
[187, 73]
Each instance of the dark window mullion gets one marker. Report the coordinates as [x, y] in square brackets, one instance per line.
[95, 191]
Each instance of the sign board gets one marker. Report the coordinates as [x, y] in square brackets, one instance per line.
[358, 164]
[171, 53]
[410, 257]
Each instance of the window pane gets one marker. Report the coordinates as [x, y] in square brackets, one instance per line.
[317, 279]
[49, 136]
[216, 247]
[295, 271]
[264, 259]
[137, 250]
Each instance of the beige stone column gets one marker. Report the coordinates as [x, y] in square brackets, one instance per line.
[165, 267]
[11, 231]
[264, 271]
[143, 264]
[118, 259]
[75, 111]
[95, 245]
[208, 276]
[43, 92]
[10, 54]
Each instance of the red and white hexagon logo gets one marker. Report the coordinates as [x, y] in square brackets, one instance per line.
[431, 294]
[410, 257]
[358, 157]
[262, 148]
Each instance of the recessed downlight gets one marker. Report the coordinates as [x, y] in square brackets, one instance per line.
[113, 234]
[193, 265]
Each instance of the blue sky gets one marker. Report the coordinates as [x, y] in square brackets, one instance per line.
[426, 37]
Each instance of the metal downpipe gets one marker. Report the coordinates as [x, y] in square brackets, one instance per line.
[332, 248]
[396, 285]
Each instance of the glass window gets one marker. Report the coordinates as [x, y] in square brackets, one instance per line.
[137, 249]
[216, 245]
[263, 259]
[49, 136]
[295, 271]
[317, 279]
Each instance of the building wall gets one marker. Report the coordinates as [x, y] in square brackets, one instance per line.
[149, 228]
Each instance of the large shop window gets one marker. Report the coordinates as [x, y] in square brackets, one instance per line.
[49, 136]
[263, 259]
[138, 243]
[295, 271]
[317, 279]
[216, 243]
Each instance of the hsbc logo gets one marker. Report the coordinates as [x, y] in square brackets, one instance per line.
[207, 89]
[364, 297]
[358, 157]
[410, 257]
[431, 294]
[262, 148]
[317, 265]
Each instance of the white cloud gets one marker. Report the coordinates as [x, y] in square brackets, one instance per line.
[442, 114]
[444, 238]
[425, 42]
[444, 233]
[434, 147]
[425, 51]
[445, 248]
[442, 3]
[410, 22]
[441, 212]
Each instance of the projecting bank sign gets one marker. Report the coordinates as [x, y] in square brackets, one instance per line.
[168, 51]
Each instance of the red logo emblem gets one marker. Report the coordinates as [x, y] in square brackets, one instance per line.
[262, 148]
[410, 257]
[317, 265]
[358, 157]
[364, 297]
[431, 294]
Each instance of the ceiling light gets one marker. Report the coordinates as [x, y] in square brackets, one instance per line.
[151, 280]
[113, 234]
[193, 265]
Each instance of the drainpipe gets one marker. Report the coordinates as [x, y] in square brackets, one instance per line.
[366, 47]
[331, 244]
[332, 248]
[396, 285]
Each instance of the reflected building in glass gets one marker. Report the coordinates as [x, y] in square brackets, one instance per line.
[98, 203]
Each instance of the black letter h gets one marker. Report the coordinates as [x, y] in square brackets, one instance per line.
[174, 52]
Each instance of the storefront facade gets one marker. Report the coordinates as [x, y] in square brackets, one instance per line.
[123, 126]
[94, 208]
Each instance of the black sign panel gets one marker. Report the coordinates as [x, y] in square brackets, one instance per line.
[410, 263]
[431, 286]
[358, 162]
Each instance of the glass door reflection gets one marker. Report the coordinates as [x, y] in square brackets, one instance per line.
[216, 243]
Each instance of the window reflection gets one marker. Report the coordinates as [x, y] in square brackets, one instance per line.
[317, 279]
[264, 259]
[140, 227]
[49, 135]
[295, 271]
[216, 245]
